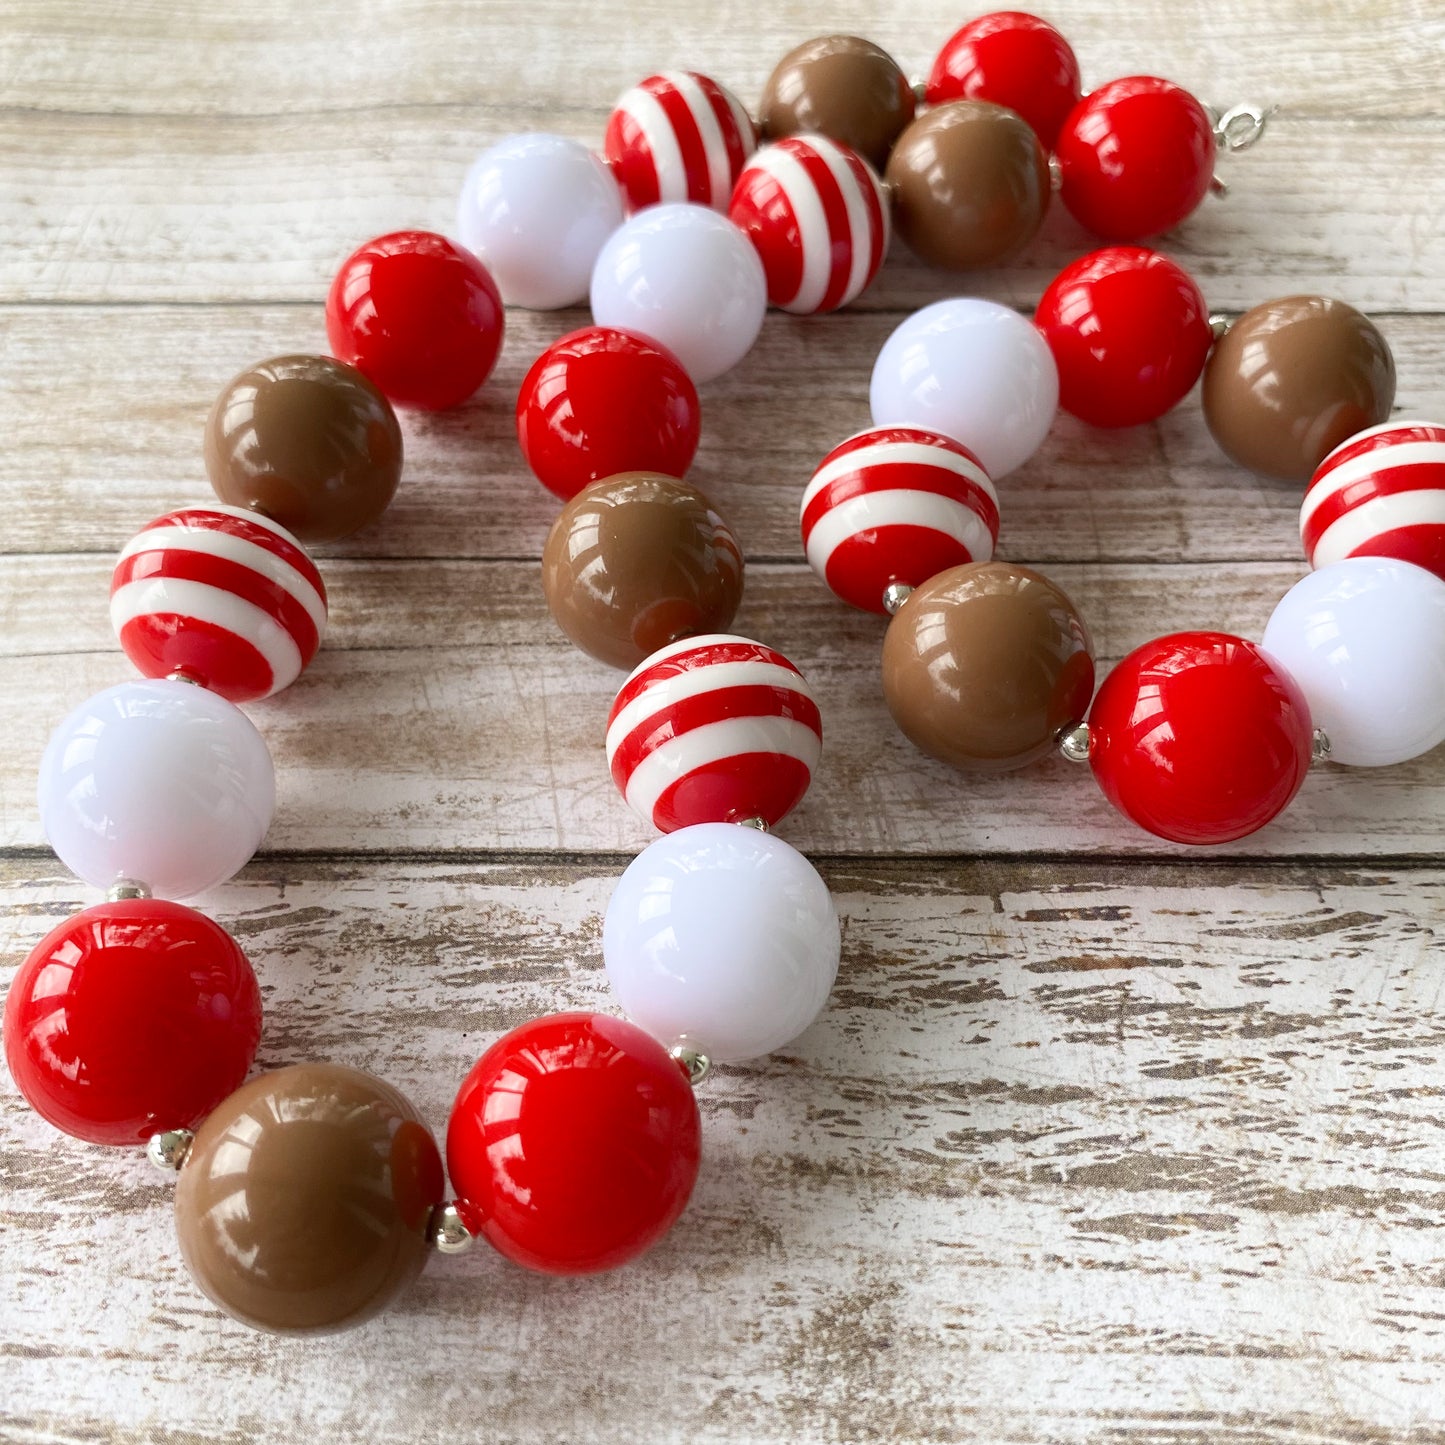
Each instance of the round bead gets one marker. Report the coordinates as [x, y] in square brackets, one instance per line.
[687, 278]
[842, 87]
[985, 665]
[418, 315]
[1291, 380]
[1200, 737]
[1365, 641]
[1135, 158]
[599, 402]
[970, 185]
[159, 782]
[1130, 333]
[1380, 494]
[305, 1200]
[226, 597]
[1012, 59]
[129, 1019]
[574, 1143]
[714, 729]
[307, 440]
[896, 505]
[974, 370]
[722, 937]
[817, 214]
[537, 209]
[678, 137]
[638, 561]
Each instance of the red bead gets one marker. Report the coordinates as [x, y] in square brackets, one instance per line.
[574, 1143]
[419, 316]
[131, 1018]
[1200, 737]
[1135, 158]
[1013, 59]
[1130, 333]
[600, 402]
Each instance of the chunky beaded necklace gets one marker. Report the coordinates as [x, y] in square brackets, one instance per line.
[307, 1197]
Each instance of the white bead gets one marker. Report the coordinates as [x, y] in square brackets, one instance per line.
[721, 937]
[537, 209]
[974, 370]
[160, 782]
[686, 277]
[1365, 641]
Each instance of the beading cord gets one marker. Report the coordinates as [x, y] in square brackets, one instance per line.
[309, 1196]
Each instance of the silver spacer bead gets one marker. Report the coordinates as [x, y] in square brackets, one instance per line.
[1218, 325]
[168, 1149]
[895, 594]
[697, 1063]
[124, 889]
[920, 90]
[1056, 173]
[448, 1231]
[1320, 747]
[182, 677]
[760, 824]
[1074, 744]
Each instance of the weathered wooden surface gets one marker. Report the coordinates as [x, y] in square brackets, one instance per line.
[1096, 1141]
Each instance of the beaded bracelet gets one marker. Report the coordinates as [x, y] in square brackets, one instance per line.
[307, 1197]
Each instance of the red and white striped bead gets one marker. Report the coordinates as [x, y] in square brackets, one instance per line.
[714, 729]
[1380, 494]
[896, 504]
[223, 596]
[817, 214]
[678, 137]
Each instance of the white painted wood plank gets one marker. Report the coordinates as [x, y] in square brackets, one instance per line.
[1363, 57]
[102, 410]
[203, 209]
[1077, 1153]
[449, 713]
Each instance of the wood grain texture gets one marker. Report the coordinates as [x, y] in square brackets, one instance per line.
[1096, 1142]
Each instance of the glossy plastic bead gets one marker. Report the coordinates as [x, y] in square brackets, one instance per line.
[713, 729]
[679, 136]
[1365, 640]
[723, 938]
[974, 370]
[1380, 494]
[817, 214]
[843, 87]
[1293, 379]
[601, 401]
[227, 597]
[159, 782]
[419, 315]
[307, 440]
[1130, 333]
[1135, 158]
[129, 1019]
[688, 279]
[1012, 59]
[574, 1143]
[896, 505]
[306, 1198]
[536, 209]
[637, 561]
[1200, 737]
[969, 183]
[986, 666]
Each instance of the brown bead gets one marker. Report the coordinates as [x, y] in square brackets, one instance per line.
[1292, 379]
[843, 87]
[986, 664]
[304, 1203]
[637, 561]
[307, 440]
[970, 184]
